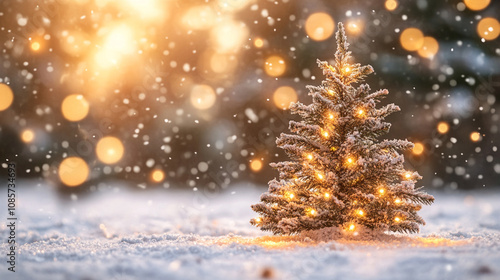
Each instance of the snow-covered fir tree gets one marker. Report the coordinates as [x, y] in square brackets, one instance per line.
[340, 174]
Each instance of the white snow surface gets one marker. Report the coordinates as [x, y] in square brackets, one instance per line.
[119, 233]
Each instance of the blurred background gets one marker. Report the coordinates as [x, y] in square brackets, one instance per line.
[192, 94]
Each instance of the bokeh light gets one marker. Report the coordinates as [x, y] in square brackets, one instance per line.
[229, 35]
[391, 5]
[488, 28]
[258, 42]
[73, 171]
[443, 127]
[199, 17]
[418, 149]
[6, 96]
[27, 136]
[157, 175]
[75, 107]
[354, 27]
[275, 66]
[203, 97]
[256, 165]
[475, 136]
[429, 48]
[35, 46]
[412, 39]
[476, 5]
[110, 150]
[283, 96]
[320, 26]
[119, 41]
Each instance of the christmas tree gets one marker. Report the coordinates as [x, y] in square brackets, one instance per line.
[340, 174]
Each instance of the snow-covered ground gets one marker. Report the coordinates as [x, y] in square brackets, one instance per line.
[117, 233]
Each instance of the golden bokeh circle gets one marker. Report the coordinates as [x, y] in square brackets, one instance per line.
[75, 107]
[283, 96]
[275, 66]
[412, 39]
[6, 96]
[476, 5]
[110, 150]
[488, 28]
[429, 48]
[320, 26]
[73, 171]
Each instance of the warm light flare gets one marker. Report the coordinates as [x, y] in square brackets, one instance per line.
[381, 191]
[75, 107]
[6, 97]
[284, 96]
[157, 175]
[203, 97]
[443, 127]
[73, 171]
[258, 43]
[418, 149]
[27, 136]
[475, 136]
[488, 28]
[319, 26]
[397, 219]
[397, 201]
[309, 156]
[408, 175]
[412, 39]
[110, 150]
[275, 66]
[391, 5]
[256, 165]
[352, 227]
[320, 176]
[35, 46]
[327, 195]
[361, 212]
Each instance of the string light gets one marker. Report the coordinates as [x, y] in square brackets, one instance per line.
[327, 195]
[331, 116]
[258, 219]
[320, 176]
[443, 127]
[352, 227]
[397, 219]
[381, 191]
[290, 195]
[311, 212]
[361, 112]
[408, 175]
[325, 134]
[309, 156]
[361, 213]
[331, 92]
[347, 70]
[397, 201]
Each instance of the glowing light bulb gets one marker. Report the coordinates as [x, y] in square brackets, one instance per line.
[408, 175]
[325, 134]
[352, 227]
[347, 70]
[361, 213]
[331, 92]
[290, 195]
[361, 112]
[381, 191]
[350, 160]
[258, 219]
[397, 201]
[327, 195]
[397, 219]
[309, 157]
[331, 116]
[320, 176]
[312, 212]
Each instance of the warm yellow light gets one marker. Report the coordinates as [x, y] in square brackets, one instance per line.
[361, 112]
[397, 201]
[6, 96]
[488, 28]
[312, 212]
[202, 97]
[354, 27]
[327, 195]
[347, 70]
[443, 127]
[109, 150]
[309, 157]
[256, 165]
[283, 96]
[408, 175]
[119, 42]
[325, 134]
[229, 43]
[476, 5]
[429, 48]
[199, 17]
[397, 219]
[319, 26]
[475, 136]
[381, 191]
[412, 39]
[258, 220]
[350, 160]
[275, 66]
[35, 46]
[418, 149]
[352, 227]
[331, 92]
[320, 176]
[361, 212]
[27, 136]
[157, 175]
[258, 43]
[331, 116]
[391, 5]
[73, 171]
[74, 107]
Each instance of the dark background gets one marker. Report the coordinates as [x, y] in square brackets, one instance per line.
[460, 85]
